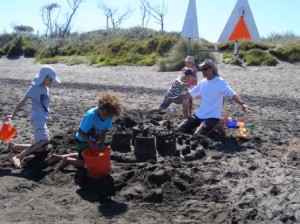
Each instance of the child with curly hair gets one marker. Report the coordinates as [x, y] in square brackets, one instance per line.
[92, 129]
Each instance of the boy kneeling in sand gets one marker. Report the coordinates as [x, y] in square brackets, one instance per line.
[178, 87]
[92, 129]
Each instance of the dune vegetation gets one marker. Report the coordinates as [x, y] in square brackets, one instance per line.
[144, 47]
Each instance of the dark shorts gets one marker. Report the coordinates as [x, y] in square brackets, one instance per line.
[198, 126]
[80, 146]
[80, 157]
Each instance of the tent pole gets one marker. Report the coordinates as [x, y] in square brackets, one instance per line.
[189, 45]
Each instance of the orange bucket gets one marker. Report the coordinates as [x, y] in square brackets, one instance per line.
[7, 132]
[97, 163]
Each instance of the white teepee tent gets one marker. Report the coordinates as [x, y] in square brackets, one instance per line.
[190, 26]
[240, 25]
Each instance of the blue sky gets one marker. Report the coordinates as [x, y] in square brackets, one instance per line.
[271, 16]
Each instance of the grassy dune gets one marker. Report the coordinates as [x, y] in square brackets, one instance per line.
[144, 47]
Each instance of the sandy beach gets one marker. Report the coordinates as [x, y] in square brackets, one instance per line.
[225, 180]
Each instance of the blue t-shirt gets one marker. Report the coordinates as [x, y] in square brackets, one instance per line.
[93, 126]
[40, 98]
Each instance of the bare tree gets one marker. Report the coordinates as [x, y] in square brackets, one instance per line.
[158, 12]
[48, 12]
[74, 5]
[112, 16]
[50, 19]
[145, 15]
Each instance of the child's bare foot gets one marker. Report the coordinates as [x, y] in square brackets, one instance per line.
[184, 116]
[10, 147]
[63, 163]
[16, 162]
[220, 127]
[54, 158]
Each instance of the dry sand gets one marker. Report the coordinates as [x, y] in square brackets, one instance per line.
[229, 181]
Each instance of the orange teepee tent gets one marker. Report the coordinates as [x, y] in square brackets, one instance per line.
[240, 25]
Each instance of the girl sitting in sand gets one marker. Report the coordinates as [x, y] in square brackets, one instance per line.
[92, 129]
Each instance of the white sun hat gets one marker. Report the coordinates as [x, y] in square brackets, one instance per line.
[190, 59]
[44, 72]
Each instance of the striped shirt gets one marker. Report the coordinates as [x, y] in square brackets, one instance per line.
[177, 88]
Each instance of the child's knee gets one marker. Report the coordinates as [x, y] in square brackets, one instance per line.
[46, 141]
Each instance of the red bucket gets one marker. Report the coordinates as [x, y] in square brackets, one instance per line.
[97, 163]
[7, 132]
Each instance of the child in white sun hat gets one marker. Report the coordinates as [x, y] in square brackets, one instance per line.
[39, 94]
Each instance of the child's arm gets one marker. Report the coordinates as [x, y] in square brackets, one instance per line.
[181, 83]
[183, 96]
[103, 138]
[92, 144]
[18, 107]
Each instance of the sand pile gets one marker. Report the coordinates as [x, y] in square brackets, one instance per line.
[222, 179]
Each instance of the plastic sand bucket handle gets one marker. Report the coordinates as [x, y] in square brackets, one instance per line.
[7, 131]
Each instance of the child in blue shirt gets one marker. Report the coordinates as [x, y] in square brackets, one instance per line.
[39, 95]
[92, 129]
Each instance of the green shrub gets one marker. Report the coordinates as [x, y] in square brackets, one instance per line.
[249, 45]
[270, 61]
[54, 60]
[49, 52]
[5, 39]
[116, 46]
[148, 60]
[13, 52]
[257, 57]
[165, 45]
[84, 49]
[228, 58]
[68, 51]
[245, 46]
[280, 39]
[29, 52]
[2, 52]
[15, 47]
[173, 60]
[140, 46]
[289, 52]
[92, 59]
[76, 60]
